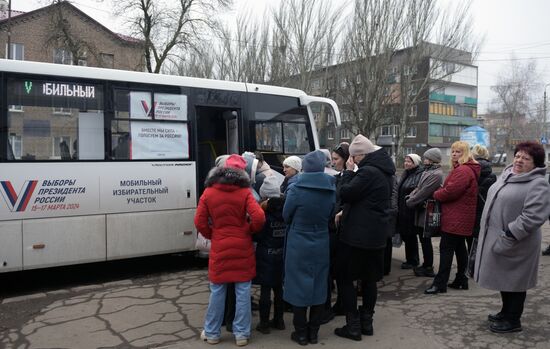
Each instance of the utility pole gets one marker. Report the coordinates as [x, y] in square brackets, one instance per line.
[544, 129]
[9, 30]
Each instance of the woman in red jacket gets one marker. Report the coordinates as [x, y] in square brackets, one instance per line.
[458, 198]
[228, 214]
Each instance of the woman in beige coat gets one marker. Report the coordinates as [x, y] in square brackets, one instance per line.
[507, 257]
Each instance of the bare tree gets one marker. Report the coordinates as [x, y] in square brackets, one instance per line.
[62, 35]
[516, 87]
[302, 28]
[426, 67]
[244, 53]
[371, 39]
[169, 26]
[199, 62]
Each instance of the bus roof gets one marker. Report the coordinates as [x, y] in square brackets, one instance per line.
[93, 73]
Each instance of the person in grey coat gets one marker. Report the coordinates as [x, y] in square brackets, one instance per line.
[509, 242]
[430, 181]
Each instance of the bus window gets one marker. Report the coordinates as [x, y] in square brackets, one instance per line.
[55, 120]
[280, 125]
[295, 140]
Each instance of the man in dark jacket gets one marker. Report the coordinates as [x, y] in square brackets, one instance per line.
[364, 230]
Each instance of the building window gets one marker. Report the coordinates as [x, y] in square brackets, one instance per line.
[411, 132]
[343, 83]
[358, 79]
[15, 108]
[315, 84]
[409, 150]
[62, 56]
[61, 147]
[413, 111]
[17, 51]
[330, 118]
[107, 60]
[16, 146]
[436, 130]
[386, 130]
[345, 134]
[345, 116]
[330, 133]
[62, 111]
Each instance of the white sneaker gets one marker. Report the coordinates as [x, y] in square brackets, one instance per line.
[209, 340]
[241, 342]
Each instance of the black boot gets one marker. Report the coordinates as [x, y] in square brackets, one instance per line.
[313, 334]
[366, 322]
[315, 314]
[352, 329]
[299, 336]
[300, 325]
[460, 282]
[278, 321]
[263, 326]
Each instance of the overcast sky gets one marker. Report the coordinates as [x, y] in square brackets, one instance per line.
[519, 27]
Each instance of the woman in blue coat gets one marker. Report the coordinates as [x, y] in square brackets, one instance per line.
[308, 208]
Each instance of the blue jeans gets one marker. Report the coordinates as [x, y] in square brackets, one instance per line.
[243, 312]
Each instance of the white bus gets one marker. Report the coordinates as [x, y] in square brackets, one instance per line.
[102, 164]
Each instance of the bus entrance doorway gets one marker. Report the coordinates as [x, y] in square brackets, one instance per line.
[217, 134]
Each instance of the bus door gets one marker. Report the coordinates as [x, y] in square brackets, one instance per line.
[217, 134]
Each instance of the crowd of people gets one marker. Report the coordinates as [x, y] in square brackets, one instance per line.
[328, 227]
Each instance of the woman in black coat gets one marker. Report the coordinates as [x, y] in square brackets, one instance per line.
[486, 179]
[339, 156]
[405, 215]
[269, 256]
[364, 229]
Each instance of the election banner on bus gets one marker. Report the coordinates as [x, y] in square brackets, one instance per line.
[156, 140]
[170, 107]
[40, 190]
[165, 106]
[141, 105]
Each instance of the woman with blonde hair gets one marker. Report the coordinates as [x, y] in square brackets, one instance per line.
[458, 198]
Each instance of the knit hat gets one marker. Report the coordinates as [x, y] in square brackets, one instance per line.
[235, 161]
[362, 145]
[433, 154]
[415, 159]
[251, 165]
[328, 160]
[220, 160]
[294, 162]
[270, 188]
[314, 161]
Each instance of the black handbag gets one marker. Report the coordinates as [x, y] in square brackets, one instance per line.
[472, 259]
[432, 219]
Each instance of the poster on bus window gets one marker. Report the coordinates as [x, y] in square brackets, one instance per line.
[170, 107]
[141, 105]
[156, 140]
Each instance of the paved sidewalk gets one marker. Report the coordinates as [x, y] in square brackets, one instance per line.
[166, 311]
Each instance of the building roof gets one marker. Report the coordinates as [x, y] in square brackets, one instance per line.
[14, 13]
[20, 15]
